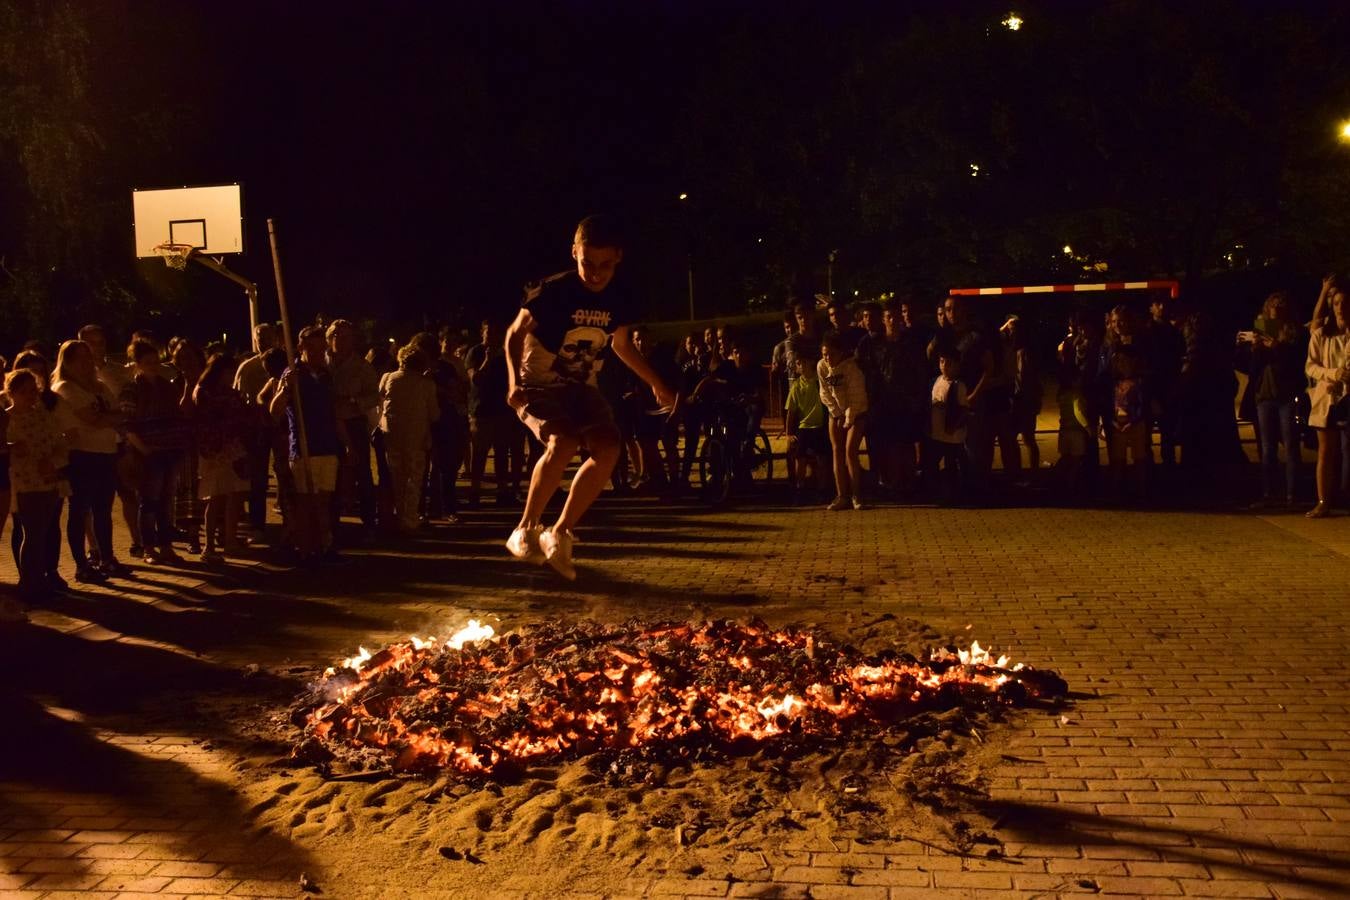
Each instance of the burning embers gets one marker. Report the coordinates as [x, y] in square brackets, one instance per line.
[480, 703]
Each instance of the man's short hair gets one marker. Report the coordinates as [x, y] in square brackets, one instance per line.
[833, 341]
[333, 327]
[88, 330]
[141, 348]
[599, 230]
[311, 331]
[947, 350]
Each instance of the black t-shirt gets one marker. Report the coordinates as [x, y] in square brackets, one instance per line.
[572, 326]
[487, 388]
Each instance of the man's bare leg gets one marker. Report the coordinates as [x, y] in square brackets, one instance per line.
[589, 481]
[547, 475]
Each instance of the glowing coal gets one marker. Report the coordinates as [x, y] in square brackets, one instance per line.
[477, 702]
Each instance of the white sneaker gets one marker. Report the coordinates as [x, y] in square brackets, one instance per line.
[837, 504]
[858, 504]
[524, 544]
[557, 547]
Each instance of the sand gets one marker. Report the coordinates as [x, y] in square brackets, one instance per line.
[602, 825]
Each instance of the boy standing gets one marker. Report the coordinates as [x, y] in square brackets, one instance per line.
[948, 423]
[551, 353]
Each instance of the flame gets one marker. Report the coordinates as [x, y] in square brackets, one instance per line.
[473, 702]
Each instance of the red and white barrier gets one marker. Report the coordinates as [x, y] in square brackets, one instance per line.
[1173, 287]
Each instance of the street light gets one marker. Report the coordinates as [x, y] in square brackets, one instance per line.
[1013, 22]
[1345, 130]
[689, 259]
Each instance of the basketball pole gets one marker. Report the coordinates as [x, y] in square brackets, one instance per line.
[250, 289]
[291, 360]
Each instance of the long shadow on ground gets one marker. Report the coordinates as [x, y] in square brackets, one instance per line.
[1042, 824]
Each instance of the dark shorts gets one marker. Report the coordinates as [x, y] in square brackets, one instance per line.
[4, 479]
[577, 411]
[813, 442]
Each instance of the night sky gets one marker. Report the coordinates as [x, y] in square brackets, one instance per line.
[424, 160]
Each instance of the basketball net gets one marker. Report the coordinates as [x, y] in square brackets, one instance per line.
[175, 256]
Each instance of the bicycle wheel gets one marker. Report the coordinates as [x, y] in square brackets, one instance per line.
[713, 478]
[760, 457]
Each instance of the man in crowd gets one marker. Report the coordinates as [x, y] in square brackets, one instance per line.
[551, 353]
[249, 380]
[325, 440]
[357, 395]
[492, 424]
[841, 324]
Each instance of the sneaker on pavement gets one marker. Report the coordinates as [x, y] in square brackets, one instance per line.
[837, 504]
[557, 547]
[524, 544]
[858, 504]
[90, 574]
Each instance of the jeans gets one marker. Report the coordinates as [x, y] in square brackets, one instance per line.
[259, 455]
[37, 526]
[1275, 425]
[93, 483]
[156, 491]
[355, 469]
[449, 438]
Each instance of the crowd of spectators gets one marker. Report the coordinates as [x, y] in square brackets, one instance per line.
[193, 443]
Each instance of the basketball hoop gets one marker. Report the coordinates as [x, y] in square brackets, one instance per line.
[175, 256]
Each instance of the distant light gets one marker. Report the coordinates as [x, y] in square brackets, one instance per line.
[855, 293]
[974, 170]
[759, 240]
[1068, 251]
[684, 196]
[1013, 22]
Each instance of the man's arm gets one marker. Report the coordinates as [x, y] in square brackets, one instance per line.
[624, 350]
[515, 348]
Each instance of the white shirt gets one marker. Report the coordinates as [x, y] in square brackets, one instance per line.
[942, 395]
[79, 434]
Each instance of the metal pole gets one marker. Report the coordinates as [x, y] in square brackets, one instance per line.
[291, 357]
[691, 287]
[250, 289]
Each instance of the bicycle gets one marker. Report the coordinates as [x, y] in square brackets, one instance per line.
[720, 464]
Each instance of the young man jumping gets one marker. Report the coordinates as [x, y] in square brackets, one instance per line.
[553, 354]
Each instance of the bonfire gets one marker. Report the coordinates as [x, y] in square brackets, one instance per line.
[479, 702]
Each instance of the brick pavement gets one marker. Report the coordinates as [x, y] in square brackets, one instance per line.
[1206, 753]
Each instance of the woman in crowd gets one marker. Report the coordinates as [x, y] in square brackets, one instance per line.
[189, 362]
[91, 418]
[1328, 367]
[222, 465]
[1123, 380]
[844, 395]
[1276, 350]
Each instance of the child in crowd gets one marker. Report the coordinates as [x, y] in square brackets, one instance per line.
[222, 464]
[807, 433]
[949, 414]
[38, 459]
[1128, 433]
[845, 398]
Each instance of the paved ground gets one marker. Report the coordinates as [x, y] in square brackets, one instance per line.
[1207, 753]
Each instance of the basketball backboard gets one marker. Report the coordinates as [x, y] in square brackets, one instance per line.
[209, 218]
